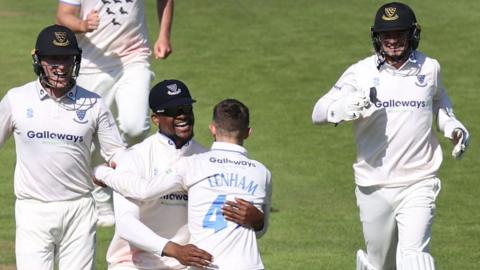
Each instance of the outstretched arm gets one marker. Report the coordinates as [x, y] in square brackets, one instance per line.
[133, 185]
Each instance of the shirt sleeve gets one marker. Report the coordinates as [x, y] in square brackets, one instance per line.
[70, 2]
[443, 110]
[136, 186]
[130, 228]
[107, 134]
[127, 212]
[6, 123]
[320, 110]
[266, 206]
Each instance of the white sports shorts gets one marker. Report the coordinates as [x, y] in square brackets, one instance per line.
[55, 232]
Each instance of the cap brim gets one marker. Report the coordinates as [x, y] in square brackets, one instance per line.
[176, 102]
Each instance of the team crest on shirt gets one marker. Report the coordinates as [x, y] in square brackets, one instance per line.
[421, 81]
[29, 113]
[81, 117]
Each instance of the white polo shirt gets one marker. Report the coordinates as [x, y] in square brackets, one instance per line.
[211, 178]
[53, 139]
[143, 228]
[396, 143]
[120, 39]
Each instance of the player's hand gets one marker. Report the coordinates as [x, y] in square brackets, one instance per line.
[244, 213]
[348, 108]
[460, 140]
[188, 255]
[91, 22]
[98, 172]
[162, 48]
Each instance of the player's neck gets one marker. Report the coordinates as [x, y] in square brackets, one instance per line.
[228, 139]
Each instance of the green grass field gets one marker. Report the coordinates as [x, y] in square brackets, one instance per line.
[279, 57]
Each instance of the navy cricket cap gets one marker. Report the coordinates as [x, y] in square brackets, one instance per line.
[394, 16]
[169, 93]
[57, 40]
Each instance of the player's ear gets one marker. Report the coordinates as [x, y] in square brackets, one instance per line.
[248, 133]
[155, 119]
[213, 129]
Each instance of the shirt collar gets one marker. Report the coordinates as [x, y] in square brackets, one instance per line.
[167, 141]
[411, 67]
[223, 146]
[42, 92]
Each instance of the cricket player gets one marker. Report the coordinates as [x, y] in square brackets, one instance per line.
[54, 123]
[224, 173]
[115, 64]
[153, 234]
[393, 97]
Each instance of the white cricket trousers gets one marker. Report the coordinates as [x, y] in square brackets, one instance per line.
[55, 232]
[397, 221]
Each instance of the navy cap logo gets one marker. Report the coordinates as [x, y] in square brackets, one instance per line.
[390, 14]
[61, 39]
[173, 89]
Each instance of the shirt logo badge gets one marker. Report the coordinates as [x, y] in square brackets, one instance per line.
[29, 113]
[81, 117]
[421, 81]
[173, 90]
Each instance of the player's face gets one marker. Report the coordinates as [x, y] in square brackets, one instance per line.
[58, 70]
[394, 43]
[176, 123]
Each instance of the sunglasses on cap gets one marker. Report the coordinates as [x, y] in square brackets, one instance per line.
[175, 111]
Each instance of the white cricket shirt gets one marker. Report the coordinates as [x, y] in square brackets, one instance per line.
[144, 227]
[211, 178]
[120, 39]
[53, 140]
[395, 141]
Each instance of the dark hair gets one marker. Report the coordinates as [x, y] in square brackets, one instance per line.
[231, 116]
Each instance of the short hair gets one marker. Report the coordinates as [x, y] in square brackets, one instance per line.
[231, 116]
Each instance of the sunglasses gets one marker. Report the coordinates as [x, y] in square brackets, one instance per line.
[175, 111]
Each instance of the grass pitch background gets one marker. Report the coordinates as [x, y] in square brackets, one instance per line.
[279, 57]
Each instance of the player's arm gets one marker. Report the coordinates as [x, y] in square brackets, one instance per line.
[247, 214]
[447, 122]
[107, 134]
[135, 186]
[244, 213]
[343, 102]
[68, 12]
[162, 47]
[6, 125]
[130, 228]
[266, 206]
